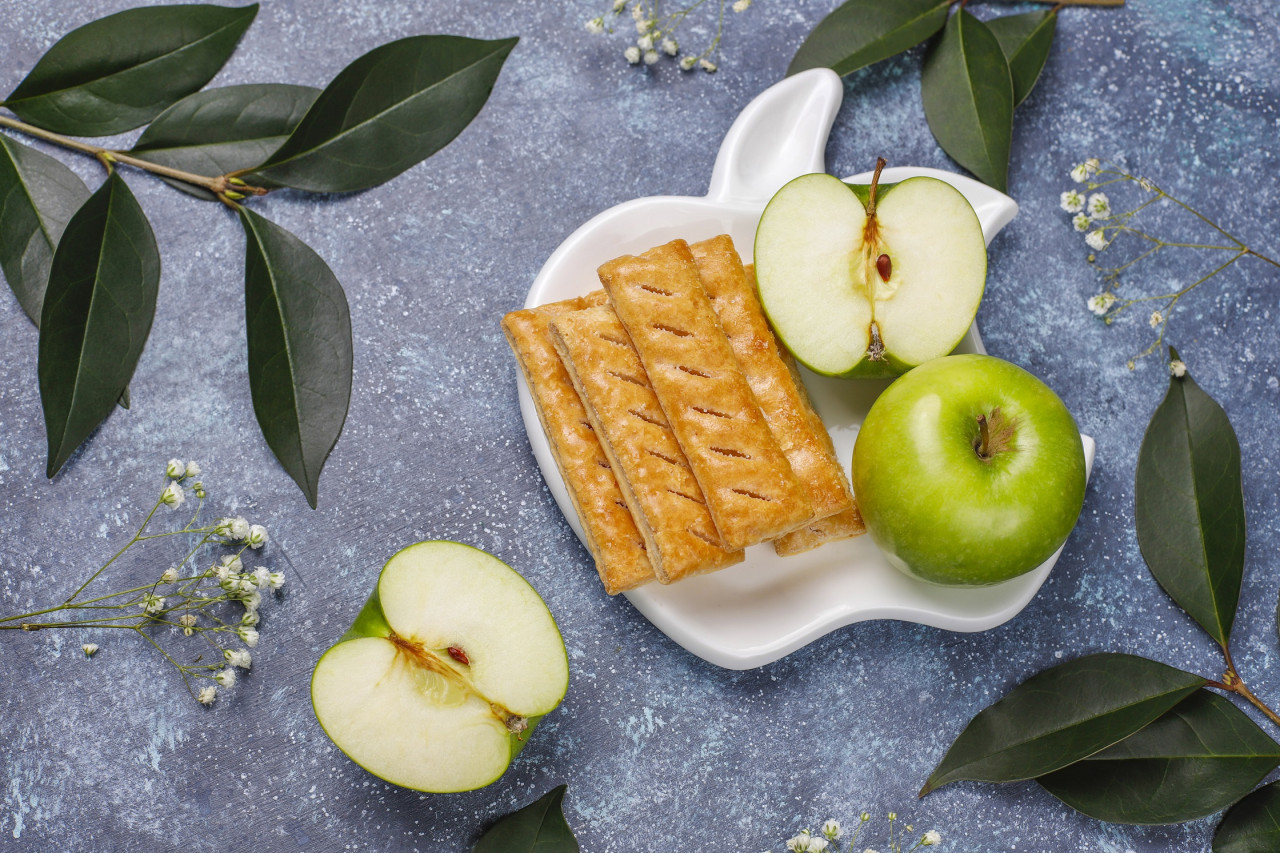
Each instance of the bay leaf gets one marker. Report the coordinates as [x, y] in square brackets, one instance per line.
[1026, 40]
[1061, 715]
[121, 71]
[1196, 759]
[300, 353]
[217, 131]
[861, 32]
[968, 98]
[38, 196]
[1189, 506]
[97, 314]
[387, 111]
[539, 827]
[1251, 825]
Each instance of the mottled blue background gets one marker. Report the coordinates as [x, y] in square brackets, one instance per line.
[661, 751]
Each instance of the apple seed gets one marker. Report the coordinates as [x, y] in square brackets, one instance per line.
[884, 266]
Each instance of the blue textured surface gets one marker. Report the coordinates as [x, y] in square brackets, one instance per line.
[661, 751]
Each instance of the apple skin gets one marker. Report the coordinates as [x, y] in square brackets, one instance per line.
[371, 621]
[938, 510]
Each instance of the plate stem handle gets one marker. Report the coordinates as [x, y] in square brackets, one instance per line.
[781, 135]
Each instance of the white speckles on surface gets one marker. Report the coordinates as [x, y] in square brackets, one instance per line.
[111, 754]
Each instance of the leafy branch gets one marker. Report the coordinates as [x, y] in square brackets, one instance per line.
[975, 73]
[84, 265]
[1125, 739]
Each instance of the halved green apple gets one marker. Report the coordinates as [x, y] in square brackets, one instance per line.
[869, 281]
[445, 672]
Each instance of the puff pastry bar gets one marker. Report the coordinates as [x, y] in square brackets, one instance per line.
[661, 491]
[750, 489]
[612, 537]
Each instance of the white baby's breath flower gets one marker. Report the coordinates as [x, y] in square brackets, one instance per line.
[619, 5]
[188, 623]
[238, 657]
[741, 5]
[1099, 206]
[645, 42]
[250, 618]
[1177, 368]
[175, 469]
[252, 601]
[831, 829]
[1093, 164]
[1081, 222]
[637, 12]
[1101, 303]
[173, 495]
[931, 838]
[193, 469]
[232, 562]
[800, 843]
[152, 603]
[261, 576]
[239, 528]
[687, 63]
[650, 57]
[257, 536]
[275, 580]
[169, 576]
[248, 635]
[1072, 201]
[207, 695]
[818, 844]
[226, 678]
[643, 25]
[1155, 319]
[707, 65]
[90, 649]
[1097, 240]
[1146, 185]
[198, 488]
[670, 46]
[632, 54]
[1080, 173]
[595, 26]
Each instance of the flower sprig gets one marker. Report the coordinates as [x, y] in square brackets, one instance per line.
[830, 838]
[217, 602]
[656, 31]
[1102, 226]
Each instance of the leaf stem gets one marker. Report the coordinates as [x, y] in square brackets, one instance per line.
[219, 186]
[1232, 682]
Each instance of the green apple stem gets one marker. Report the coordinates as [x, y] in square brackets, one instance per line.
[984, 441]
[429, 660]
[871, 195]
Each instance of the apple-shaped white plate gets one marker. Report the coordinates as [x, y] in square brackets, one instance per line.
[767, 607]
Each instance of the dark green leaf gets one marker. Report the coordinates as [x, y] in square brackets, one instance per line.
[1062, 715]
[119, 72]
[1189, 506]
[861, 32]
[97, 314]
[1195, 760]
[539, 827]
[390, 109]
[1252, 825]
[1025, 40]
[37, 196]
[224, 130]
[299, 330]
[968, 98]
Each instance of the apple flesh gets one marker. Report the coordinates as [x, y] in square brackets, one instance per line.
[969, 471]
[869, 281]
[445, 672]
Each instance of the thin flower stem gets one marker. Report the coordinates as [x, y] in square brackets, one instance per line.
[117, 554]
[219, 186]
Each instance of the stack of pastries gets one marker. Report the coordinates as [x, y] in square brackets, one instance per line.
[681, 428]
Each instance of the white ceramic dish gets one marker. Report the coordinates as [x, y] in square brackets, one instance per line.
[767, 607]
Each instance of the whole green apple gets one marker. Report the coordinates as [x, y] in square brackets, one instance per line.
[969, 471]
[445, 672]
